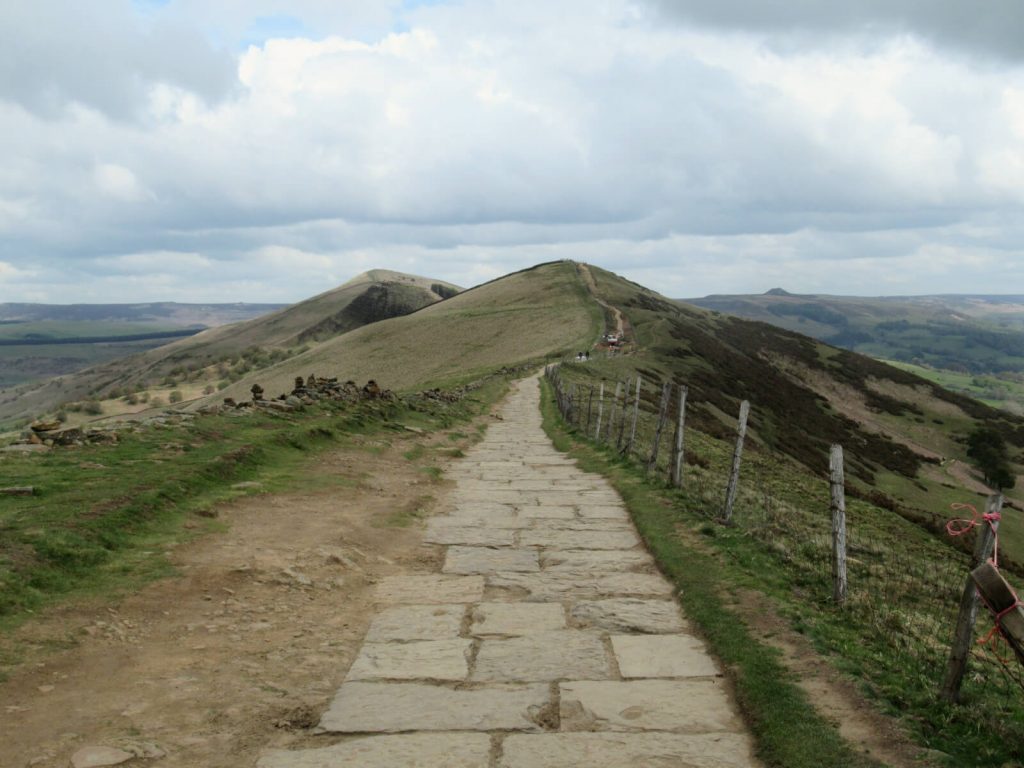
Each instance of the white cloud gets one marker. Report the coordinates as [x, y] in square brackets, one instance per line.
[119, 183]
[489, 136]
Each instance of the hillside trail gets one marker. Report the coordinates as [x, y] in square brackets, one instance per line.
[588, 280]
[541, 637]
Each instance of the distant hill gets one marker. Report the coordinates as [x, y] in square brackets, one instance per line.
[219, 355]
[165, 313]
[40, 341]
[971, 343]
[970, 334]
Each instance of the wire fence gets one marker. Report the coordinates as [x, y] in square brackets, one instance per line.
[904, 590]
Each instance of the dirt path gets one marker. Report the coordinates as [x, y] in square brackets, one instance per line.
[246, 647]
[588, 278]
[540, 636]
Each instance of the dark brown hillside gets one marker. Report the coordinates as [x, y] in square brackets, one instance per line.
[897, 428]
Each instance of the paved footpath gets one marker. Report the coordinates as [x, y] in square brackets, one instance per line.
[548, 640]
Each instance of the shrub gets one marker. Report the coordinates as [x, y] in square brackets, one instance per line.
[176, 396]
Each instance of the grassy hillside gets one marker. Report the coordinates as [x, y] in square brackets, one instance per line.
[220, 355]
[905, 436]
[525, 316]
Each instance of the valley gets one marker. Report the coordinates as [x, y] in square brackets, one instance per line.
[972, 344]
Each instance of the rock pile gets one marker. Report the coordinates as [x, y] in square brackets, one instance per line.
[48, 434]
[305, 391]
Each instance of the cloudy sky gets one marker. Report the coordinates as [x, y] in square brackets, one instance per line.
[262, 150]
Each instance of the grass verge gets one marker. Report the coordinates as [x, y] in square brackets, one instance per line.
[103, 516]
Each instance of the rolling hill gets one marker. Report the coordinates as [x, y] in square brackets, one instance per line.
[219, 355]
[526, 316]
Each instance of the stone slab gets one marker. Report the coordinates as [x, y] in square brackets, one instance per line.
[565, 655]
[394, 707]
[628, 614]
[548, 586]
[481, 536]
[662, 656]
[467, 560]
[682, 706]
[482, 509]
[579, 524]
[430, 588]
[513, 619]
[408, 750]
[477, 497]
[480, 520]
[419, 660]
[603, 511]
[546, 511]
[594, 560]
[416, 622]
[636, 750]
[578, 539]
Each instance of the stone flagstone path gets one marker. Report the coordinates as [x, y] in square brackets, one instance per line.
[548, 640]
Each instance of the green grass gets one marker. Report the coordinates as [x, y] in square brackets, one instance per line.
[998, 391]
[893, 635]
[103, 515]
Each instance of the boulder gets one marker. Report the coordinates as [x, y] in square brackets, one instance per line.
[45, 426]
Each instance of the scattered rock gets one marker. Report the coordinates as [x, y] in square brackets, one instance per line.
[298, 577]
[18, 490]
[44, 426]
[97, 757]
[247, 484]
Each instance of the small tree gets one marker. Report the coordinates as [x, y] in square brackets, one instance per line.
[987, 448]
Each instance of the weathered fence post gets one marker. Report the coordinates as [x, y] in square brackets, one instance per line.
[625, 410]
[590, 408]
[666, 395]
[600, 413]
[677, 452]
[572, 404]
[611, 412]
[636, 415]
[836, 476]
[737, 457]
[964, 632]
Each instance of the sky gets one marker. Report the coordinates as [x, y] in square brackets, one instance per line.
[265, 151]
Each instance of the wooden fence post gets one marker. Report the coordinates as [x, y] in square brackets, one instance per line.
[838, 483]
[964, 632]
[625, 410]
[677, 452]
[636, 415]
[737, 456]
[590, 408]
[611, 412]
[600, 413]
[666, 395]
